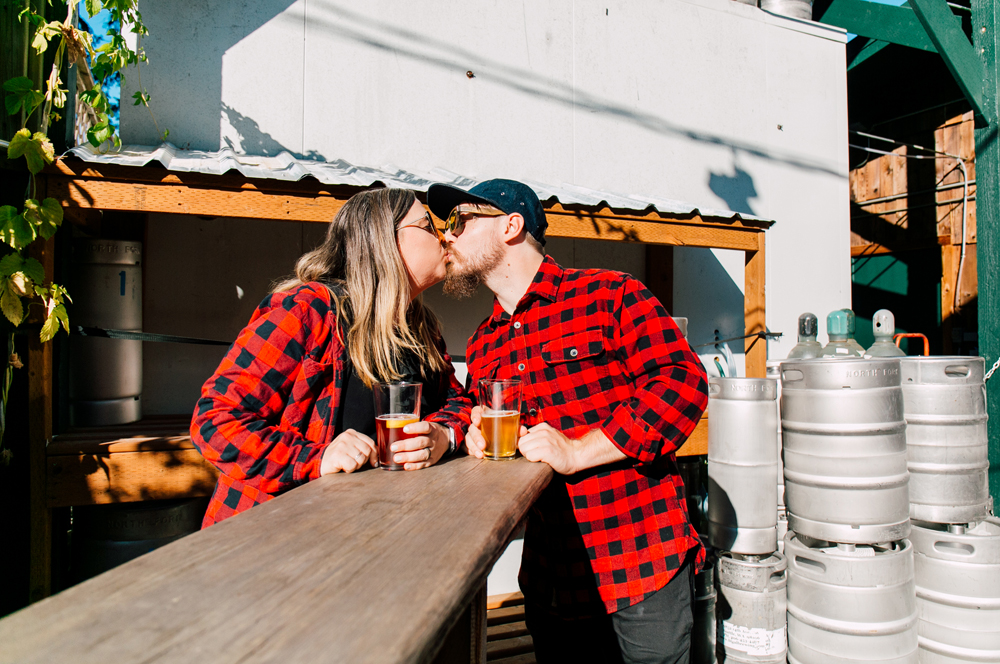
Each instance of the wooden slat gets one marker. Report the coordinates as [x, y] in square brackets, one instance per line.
[506, 599]
[697, 442]
[507, 631]
[526, 658]
[504, 615]
[374, 566]
[96, 479]
[496, 650]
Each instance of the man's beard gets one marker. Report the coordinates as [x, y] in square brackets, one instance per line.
[462, 283]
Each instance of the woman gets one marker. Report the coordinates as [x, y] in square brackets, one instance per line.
[292, 399]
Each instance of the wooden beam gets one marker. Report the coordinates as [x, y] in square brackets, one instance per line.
[678, 234]
[39, 435]
[896, 25]
[154, 190]
[754, 311]
[945, 31]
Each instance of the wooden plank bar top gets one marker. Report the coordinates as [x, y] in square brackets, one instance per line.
[374, 566]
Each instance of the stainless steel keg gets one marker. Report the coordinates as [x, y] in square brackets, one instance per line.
[850, 603]
[742, 465]
[703, 632]
[944, 401]
[793, 8]
[774, 371]
[957, 572]
[844, 447]
[105, 375]
[751, 608]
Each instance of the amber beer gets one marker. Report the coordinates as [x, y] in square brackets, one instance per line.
[389, 429]
[501, 404]
[396, 405]
[500, 431]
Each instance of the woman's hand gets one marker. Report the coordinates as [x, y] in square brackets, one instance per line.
[424, 450]
[348, 452]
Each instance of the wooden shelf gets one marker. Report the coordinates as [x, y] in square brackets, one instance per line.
[159, 432]
[152, 459]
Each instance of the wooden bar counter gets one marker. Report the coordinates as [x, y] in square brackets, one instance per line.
[374, 566]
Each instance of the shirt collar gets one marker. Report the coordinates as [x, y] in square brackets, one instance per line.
[545, 285]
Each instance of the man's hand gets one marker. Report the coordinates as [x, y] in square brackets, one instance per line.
[567, 456]
[545, 443]
[475, 443]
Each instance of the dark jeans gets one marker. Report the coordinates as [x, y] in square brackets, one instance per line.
[654, 631]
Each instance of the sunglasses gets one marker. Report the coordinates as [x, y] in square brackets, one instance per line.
[463, 214]
[426, 224]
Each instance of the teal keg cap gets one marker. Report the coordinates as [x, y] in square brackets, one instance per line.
[837, 323]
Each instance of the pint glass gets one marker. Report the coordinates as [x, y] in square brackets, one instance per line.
[396, 405]
[501, 403]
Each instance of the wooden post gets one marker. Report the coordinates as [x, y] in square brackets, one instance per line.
[753, 311]
[985, 17]
[39, 435]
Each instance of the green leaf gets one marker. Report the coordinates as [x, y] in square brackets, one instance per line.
[44, 34]
[33, 270]
[93, 7]
[47, 215]
[37, 149]
[21, 94]
[49, 328]
[60, 313]
[16, 231]
[11, 263]
[10, 302]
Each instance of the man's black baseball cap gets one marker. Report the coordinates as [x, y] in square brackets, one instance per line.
[508, 196]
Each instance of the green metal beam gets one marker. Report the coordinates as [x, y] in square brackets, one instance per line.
[896, 25]
[945, 31]
[868, 50]
[985, 19]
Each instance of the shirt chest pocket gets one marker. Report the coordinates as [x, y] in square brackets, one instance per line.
[573, 352]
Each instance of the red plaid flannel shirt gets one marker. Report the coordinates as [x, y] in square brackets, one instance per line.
[269, 411]
[595, 349]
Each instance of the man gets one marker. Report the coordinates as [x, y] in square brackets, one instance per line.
[610, 391]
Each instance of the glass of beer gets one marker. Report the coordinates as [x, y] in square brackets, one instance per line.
[501, 403]
[396, 405]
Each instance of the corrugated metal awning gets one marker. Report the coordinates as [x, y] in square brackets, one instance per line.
[285, 166]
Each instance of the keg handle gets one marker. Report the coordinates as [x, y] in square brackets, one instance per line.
[802, 561]
[957, 371]
[954, 548]
[791, 375]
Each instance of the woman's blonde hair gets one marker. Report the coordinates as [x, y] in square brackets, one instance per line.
[360, 262]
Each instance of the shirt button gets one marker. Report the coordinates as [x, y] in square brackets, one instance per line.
[517, 325]
[532, 412]
[572, 352]
[520, 367]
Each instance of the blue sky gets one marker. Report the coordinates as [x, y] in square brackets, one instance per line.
[98, 26]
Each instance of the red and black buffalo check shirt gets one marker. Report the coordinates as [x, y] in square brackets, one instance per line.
[269, 411]
[595, 349]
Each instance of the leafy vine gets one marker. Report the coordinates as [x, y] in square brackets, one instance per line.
[22, 279]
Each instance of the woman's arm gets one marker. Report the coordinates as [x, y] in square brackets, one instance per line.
[241, 422]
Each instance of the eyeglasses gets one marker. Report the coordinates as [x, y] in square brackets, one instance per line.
[462, 214]
[426, 224]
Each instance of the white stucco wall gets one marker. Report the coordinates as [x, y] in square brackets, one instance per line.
[707, 101]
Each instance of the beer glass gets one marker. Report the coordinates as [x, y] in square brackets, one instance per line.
[501, 404]
[396, 405]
